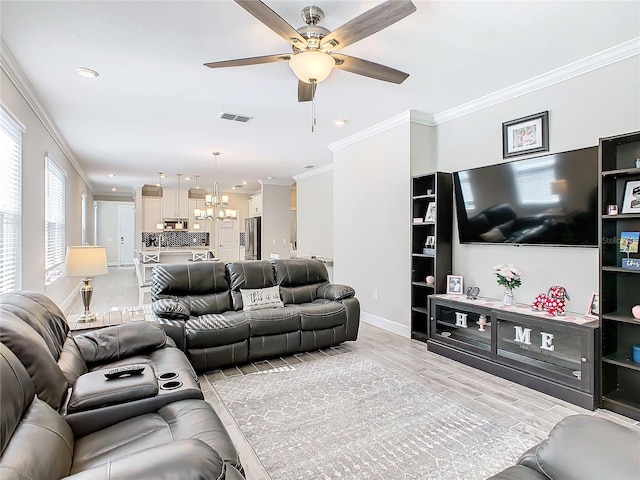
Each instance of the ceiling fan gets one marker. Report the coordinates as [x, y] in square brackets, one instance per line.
[314, 46]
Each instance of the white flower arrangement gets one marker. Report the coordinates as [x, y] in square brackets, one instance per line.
[509, 276]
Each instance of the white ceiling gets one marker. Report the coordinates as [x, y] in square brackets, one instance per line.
[155, 106]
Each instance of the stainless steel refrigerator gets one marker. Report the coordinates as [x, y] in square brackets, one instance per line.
[252, 236]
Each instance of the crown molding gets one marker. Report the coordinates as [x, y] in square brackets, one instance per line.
[314, 171]
[588, 64]
[287, 182]
[12, 68]
[400, 119]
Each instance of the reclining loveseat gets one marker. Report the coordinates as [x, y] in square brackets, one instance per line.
[251, 310]
[85, 386]
[580, 447]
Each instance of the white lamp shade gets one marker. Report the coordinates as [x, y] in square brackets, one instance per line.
[225, 199]
[312, 65]
[86, 261]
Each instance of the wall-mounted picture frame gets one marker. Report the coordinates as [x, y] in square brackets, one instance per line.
[455, 284]
[526, 135]
[631, 199]
[430, 216]
[593, 307]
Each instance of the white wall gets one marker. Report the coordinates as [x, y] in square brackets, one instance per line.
[315, 213]
[372, 184]
[36, 141]
[581, 110]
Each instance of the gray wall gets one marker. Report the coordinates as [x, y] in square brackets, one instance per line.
[35, 142]
[581, 110]
[276, 220]
[371, 240]
[372, 180]
[315, 223]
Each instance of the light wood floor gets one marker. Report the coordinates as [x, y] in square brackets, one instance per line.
[504, 402]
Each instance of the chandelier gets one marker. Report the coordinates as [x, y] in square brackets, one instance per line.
[215, 202]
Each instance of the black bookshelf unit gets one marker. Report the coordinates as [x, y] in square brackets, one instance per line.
[431, 244]
[619, 287]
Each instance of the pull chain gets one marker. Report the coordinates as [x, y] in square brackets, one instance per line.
[313, 105]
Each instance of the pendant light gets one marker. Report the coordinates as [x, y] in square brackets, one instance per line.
[179, 224]
[160, 224]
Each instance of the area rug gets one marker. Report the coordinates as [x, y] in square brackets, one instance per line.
[348, 417]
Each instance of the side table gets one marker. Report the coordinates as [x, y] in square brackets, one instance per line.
[113, 317]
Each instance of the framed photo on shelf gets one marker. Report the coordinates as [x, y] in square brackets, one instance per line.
[629, 242]
[430, 216]
[593, 307]
[631, 199]
[526, 135]
[454, 284]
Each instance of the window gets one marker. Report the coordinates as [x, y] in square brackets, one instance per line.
[467, 192]
[54, 228]
[10, 202]
[535, 180]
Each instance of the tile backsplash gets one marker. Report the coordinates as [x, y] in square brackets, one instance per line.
[175, 239]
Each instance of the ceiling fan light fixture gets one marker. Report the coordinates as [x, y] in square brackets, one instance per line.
[312, 66]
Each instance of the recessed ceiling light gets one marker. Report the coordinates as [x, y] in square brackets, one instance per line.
[233, 188]
[269, 178]
[244, 182]
[187, 178]
[339, 122]
[111, 175]
[87, 72]
[113, 189]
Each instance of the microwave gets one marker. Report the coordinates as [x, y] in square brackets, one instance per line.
[176, 224]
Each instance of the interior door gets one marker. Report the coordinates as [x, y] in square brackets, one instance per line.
[227, 238]
[126, 234]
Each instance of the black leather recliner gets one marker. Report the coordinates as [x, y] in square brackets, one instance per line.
[181, 440]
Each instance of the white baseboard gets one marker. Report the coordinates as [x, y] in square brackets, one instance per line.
[385, 324]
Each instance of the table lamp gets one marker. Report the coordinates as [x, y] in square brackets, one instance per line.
[86, 261]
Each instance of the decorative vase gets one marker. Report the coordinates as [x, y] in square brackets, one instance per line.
[508, 297]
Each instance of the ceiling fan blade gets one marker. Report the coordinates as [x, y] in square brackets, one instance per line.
[369, 22]
[306, 91]
[239, 62]
[369, 69]
[272, 20]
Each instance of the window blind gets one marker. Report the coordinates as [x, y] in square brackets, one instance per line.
[534, 180]
[10, 202]
[54, 214]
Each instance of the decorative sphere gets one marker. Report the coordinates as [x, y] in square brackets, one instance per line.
[636, 311]
[431, 279]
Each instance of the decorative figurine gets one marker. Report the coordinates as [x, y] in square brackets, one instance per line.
[482, 321]
[430, 279]
[472, 293]
[553, 302]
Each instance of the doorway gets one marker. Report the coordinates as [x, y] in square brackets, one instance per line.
[126, 234]
[227, 240]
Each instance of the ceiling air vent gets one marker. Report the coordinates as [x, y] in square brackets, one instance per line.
[152, 191]
[234, 117]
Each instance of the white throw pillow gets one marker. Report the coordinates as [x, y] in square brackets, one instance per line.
[259, 298]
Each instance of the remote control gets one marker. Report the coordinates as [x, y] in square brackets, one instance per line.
[122, 371]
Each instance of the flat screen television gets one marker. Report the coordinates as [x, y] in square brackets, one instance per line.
[546, 200]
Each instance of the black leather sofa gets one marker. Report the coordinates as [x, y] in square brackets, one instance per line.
[216, 329]
[161, 404]
[581, 447]
[172, 442]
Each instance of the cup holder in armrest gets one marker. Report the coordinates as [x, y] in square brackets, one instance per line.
[172, 385]
[167, 376]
